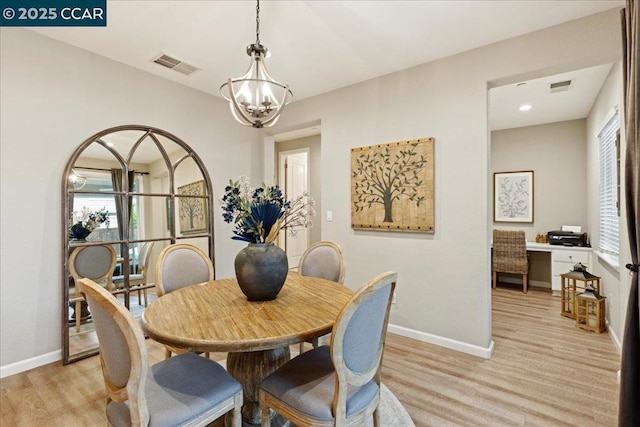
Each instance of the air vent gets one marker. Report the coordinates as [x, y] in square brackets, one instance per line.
[175, 64]
[562, 86]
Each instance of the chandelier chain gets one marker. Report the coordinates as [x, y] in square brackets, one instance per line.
[258, 22]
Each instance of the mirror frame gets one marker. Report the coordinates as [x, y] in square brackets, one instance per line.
[149, 132]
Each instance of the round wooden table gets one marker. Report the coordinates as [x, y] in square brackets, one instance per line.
[216, 316]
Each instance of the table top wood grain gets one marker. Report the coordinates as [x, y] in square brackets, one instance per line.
[216, 316]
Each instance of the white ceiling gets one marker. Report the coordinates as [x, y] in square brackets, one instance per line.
[317, 46]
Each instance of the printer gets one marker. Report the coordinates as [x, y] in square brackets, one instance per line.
[568, 238]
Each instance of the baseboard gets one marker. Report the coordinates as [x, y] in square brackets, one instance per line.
[34, 362]
[463, 347]
[614, 337]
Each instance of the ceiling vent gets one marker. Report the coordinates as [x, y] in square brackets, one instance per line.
[562, 86]
[175, 64]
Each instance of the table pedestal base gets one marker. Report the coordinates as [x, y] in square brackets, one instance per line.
[250, 369]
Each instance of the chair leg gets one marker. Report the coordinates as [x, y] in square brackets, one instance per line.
[265, 417]
[525, 283]
[167, 353]
[302, 347]
[237, 411]
[376, 418]
[494, 279]
[78, 314]
[315, 342]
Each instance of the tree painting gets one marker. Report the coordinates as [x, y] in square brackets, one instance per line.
[513, 193]
[193, 210]
[392, 186]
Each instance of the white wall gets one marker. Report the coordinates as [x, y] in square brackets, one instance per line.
[615, 281]
[53, 97]
[556, 153]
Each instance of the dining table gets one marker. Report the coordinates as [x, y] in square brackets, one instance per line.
[216, 316]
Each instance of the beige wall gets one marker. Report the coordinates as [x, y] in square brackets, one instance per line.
[556, 153]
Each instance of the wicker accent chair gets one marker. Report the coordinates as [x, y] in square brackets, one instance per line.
[324, 260]
[185, 390]
[180, 265]
[336, 385]
[510, 256]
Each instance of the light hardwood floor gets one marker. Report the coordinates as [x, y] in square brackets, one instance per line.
[544, 372]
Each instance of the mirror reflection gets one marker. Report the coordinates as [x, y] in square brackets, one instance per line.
[129, 192]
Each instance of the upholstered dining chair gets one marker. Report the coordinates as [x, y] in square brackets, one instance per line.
[185, 390]
[94, 262]
[336, 385]
[140, 280]
[180, 265]
[510, 256]
[324, 260]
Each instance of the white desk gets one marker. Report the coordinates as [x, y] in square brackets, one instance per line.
[563, 258]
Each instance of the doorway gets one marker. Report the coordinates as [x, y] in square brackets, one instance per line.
[293, 179]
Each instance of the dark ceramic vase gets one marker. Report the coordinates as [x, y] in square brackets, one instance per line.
[261, 269]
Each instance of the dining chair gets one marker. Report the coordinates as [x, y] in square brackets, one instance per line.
[324, 260]
[339, 384]
[185, 390]
[94, 262]
[140, 280]
[180, 265]
[510, 256]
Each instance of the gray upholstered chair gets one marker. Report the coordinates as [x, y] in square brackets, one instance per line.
[323, 260]
[510, 256]
[337, 384]
[185, 390]
[94, 262]
[140, 280]
[180, 265]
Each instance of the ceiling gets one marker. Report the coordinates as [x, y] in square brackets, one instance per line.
[318, 46]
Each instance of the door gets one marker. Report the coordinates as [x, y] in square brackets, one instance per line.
[294, 181]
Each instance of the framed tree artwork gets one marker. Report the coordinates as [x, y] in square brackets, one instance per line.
[392, 186]
[513, 196]
[192, 208]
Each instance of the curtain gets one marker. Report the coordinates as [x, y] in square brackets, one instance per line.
[629, 408]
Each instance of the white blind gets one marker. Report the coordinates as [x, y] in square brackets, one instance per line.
[609, 220]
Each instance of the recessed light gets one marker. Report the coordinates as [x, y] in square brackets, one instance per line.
[525, 107]
[111, 144]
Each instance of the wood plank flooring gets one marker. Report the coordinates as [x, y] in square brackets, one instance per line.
[544, 372]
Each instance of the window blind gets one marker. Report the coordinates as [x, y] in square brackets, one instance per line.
[609, 220]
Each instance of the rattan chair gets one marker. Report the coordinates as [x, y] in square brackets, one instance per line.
[180, 265]
[510, 256]
[336, 385]
[323, 260]
[185, 390]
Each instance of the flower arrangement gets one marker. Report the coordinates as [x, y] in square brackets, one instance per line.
[260, 213]
[85, 221]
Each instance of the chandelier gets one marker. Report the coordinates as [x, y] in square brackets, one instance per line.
[256, 99]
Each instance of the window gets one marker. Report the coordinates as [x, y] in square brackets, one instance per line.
[609, 139]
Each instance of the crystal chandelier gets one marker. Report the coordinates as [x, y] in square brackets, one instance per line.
[256, 99]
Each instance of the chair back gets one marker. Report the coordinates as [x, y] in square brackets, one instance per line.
[123, 352]
[509, 252]
[94, 262]
[358, 336]
[180, 265]
[145, 255]
[323, 260]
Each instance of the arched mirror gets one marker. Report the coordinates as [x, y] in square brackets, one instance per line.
[127, 192]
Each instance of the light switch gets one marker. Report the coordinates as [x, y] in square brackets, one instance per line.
[329, 215]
